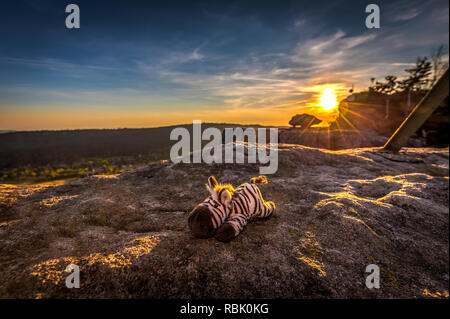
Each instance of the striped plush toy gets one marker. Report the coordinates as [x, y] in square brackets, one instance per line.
[225, 213]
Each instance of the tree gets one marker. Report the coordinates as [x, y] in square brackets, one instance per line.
[439, 66]
[372, 86]
[304, 120]
[388, 88]
[418, 76]
[417, 79]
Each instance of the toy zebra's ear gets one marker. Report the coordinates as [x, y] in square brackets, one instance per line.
[212, 183]
[225, 197]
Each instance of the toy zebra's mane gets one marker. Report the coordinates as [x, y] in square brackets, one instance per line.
[228, 187]
[220, 187]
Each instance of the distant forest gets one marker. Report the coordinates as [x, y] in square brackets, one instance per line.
[47, 155]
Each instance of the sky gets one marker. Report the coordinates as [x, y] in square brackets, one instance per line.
[157, 63]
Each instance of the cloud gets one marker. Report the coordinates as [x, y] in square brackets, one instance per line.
[179, 57]
[406, 15]
[406, 10]
[57, 65]
[300, 22]
[402, 64]
[329, 46]
[195, 55]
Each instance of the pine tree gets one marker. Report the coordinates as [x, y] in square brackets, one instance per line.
[418, 76]
[417, 79]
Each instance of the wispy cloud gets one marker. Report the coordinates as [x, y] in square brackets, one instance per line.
[406, 15]
[299, 22]
[406, 10]
[57, 65]
[183, 57]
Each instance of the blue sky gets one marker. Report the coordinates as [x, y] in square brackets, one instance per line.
[145, 63]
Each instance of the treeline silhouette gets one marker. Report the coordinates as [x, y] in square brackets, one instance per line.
[38, 148]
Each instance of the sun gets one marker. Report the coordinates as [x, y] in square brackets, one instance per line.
[328, 100]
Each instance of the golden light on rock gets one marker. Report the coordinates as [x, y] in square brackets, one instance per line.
[53, 271]
[310, 252]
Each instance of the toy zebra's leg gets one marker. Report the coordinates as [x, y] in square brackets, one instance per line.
[269, 208]
[231, 228]
[266, 208]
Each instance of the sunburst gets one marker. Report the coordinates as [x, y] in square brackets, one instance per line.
[328, 100]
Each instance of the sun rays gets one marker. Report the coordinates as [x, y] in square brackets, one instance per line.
[328, 100]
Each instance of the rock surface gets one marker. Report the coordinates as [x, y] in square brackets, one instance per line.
[324, 137]
[337, 212]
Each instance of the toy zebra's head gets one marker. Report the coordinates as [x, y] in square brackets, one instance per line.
[208, 216]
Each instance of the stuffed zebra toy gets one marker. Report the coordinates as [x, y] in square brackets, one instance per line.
[225, 213]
